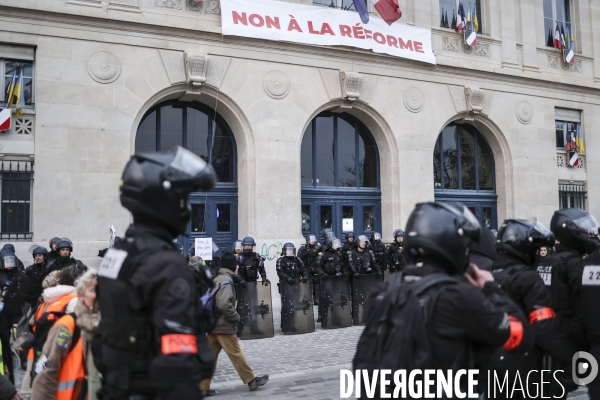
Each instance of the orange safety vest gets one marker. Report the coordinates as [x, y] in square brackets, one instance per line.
[72, 379]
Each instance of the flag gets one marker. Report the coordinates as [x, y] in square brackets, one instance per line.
[579, 140]
[11, 89]
[563, 36]
[569, 53]
[550, 42]
[571, 147]
[361, 7]
[471, 34]
[5, 119]
[461, 20]
[468, 20]
[19, 94]
[557, 41]
[388, 9]
[475, 20]
[447, 23]
[453, 20]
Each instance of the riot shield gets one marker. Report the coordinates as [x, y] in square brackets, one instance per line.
[386, 275]
[336, 308]
[254, 307]
[361, 286]
[297, 315]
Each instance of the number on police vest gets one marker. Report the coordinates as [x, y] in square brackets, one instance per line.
[112, 263]
[591, 275]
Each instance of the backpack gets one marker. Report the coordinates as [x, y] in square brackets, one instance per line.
[210, 311]
[396, 335]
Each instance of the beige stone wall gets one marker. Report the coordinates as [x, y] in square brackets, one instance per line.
[85, 125]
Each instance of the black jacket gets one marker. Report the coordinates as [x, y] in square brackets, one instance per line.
[362, 262]
[331, 262]
[36, 274]
[396, 257]
[291, 268]
[250, 266]
[15, 289]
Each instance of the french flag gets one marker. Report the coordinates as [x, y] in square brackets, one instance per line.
[557, 39]
[388, 9]
[5, 119]
[461, 19]
[571, 149]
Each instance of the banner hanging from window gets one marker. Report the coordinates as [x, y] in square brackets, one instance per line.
[290, 22]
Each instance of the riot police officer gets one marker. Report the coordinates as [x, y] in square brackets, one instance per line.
[574, 230]
[10, 247]
[483, 253]
[289, 267]
[64, 248]
[331, 263]
[236, 248]
[36, 273]
[350, 243]
[326, 233]
[395, 252]
[53, 253]
[514, 270]
[361, 260]
[152, 347]
[379, 251]
[309, 254]
[251, 263]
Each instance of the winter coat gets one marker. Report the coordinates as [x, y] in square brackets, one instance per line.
[88, 321]
[225, 301]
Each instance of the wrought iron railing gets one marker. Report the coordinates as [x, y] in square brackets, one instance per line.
[16, 183]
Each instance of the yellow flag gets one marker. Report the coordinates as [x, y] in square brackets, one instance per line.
[18, 94]
[476, 23]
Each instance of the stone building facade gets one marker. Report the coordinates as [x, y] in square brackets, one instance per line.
[110, 76]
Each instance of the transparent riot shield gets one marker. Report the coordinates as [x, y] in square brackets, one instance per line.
[254, 307]
[336, 308]
[297, 315]
[361, 287]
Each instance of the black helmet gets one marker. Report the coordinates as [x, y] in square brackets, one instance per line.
[64, 243]
[248, 241]
[350, 234]
[9, 247]
[156, 186]
[398, 232]
[325, 233]
[522, 239]
[442, 231]
[331, 241]
[40, 250]
[8, 260]
[52, 241]
[575, 228]
[288, 246]
[486, 245]
[376, 237]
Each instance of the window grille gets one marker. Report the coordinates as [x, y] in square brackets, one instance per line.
[16, 183]
[571, 196]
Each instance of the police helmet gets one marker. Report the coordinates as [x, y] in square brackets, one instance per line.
[522, 239]
[363, 238]
[248, 241]
[333, 243]
[9, 247]
[350, 234]
[156, 186]
[8, 259]
[288, 250]
[398, 232]
[40, 250]
[376, 237]
[311, 238]
[52, 241]
[575, 228]
[443, 232]
[237, 245]
[325, 233]
[64, 243]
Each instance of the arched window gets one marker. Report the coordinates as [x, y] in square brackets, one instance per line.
[463, 166]
[334, 147]
[191, 126]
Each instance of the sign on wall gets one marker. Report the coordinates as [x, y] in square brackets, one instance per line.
[289, 22]
[203, 248]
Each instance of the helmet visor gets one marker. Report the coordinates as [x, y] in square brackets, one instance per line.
[377, 236]
[540, 228]
[237, 246]
[587, 225]
[189, 169]
[336, 244]
[363, 238]
[311, 239]
[290, 252]
[9, 262]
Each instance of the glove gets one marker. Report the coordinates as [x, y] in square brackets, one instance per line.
[243, 284]
[290, 281]
[265, 280]
[304, 280]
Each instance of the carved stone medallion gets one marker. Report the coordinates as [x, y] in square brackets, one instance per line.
[175, 4]
[414, 99]
[213, 7]
[276, 84]
[104, 67]
[524, 112]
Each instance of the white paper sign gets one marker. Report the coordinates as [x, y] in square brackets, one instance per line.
[298, 23]
[111, 263]
[113, 235]
[591, 275]
[347, 224]
[203, 248]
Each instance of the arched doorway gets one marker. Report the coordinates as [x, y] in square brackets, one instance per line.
[195, 127]
[464, 172]
[334, 147]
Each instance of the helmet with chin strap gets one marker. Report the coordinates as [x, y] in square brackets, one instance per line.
[522, 239]
[575, 228]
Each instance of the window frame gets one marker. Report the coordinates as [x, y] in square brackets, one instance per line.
[570, 23]
[574, 193]
[480, 14]
[32, 77]
[29, 168]
[567, 116]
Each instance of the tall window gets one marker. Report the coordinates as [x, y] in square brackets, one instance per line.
[568, 126]
[556, 12]
[7, 69]
[334, 148]
[571, 196]
[16, 181]
[449, 10]
[192, 126]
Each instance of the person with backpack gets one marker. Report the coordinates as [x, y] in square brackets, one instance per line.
[223, 336]
[518, 242]
[63, 369]
[440, 309]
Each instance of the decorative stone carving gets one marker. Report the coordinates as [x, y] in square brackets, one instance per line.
[196, 66]
[24, 126]
[175, 4]
[467, 49]
[482, 50]
[576, 67]
[104, 67]
[553, 61]
[450, 44]
[194, 5]
[524, 112]
[276, 84]
[213, 7]
[474, 99]
[349, 83]
[414, 99]
[560, 161]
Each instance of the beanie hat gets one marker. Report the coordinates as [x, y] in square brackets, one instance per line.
[229, 261]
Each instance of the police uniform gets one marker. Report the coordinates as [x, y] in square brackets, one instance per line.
[250, 266]
[396, 257]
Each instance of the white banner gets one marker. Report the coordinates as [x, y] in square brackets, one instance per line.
[290, 22]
